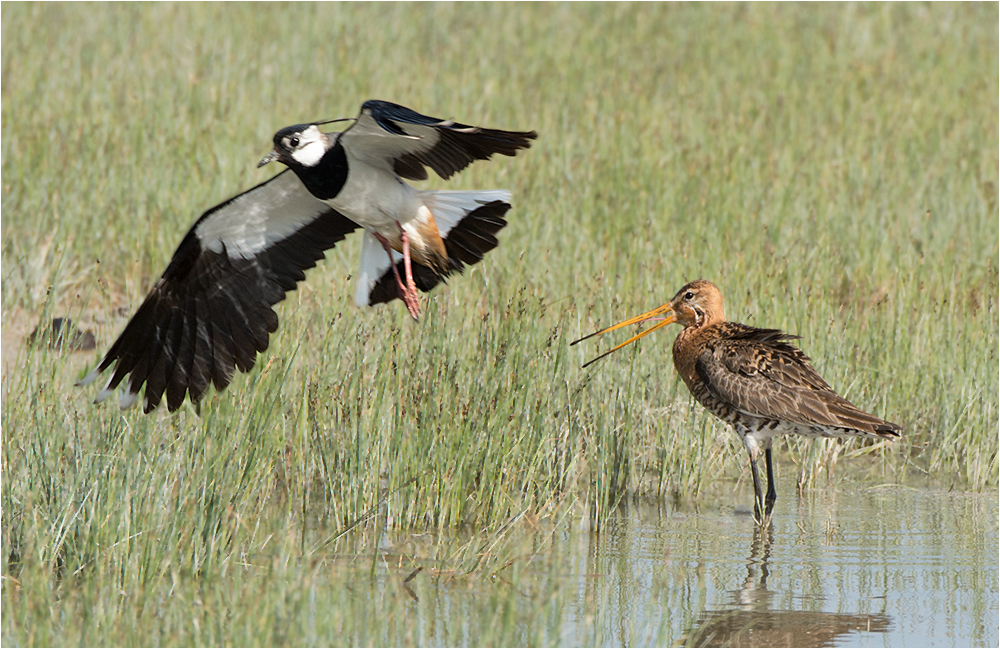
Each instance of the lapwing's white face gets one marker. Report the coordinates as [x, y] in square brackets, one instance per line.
[305, 147]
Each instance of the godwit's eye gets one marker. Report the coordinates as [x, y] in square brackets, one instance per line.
[689, 296]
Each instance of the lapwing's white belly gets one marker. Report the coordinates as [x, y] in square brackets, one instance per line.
[377, 200]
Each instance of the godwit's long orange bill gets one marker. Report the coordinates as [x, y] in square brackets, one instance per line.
[664, 311]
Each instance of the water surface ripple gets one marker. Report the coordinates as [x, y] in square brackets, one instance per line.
[886, 566]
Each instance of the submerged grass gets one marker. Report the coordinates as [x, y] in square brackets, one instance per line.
[833, 169]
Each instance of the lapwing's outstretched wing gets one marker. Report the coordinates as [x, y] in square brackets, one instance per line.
[391, 136]
[211, 309]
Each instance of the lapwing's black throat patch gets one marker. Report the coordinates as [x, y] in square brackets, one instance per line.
[325, 180]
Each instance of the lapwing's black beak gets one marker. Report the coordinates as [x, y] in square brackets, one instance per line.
[273, 155]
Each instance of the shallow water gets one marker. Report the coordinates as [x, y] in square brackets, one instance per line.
[885, 566]
[880, 567]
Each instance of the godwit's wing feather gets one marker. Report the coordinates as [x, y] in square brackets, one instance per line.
[756, 372]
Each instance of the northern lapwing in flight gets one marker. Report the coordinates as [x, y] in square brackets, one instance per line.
[211, 309]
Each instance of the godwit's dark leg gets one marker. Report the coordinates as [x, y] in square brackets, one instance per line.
[772, 494]
[758, 504]
[753, 450]
[411, 303]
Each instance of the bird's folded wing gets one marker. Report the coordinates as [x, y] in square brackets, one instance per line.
[211, 309]
[391, 136]
[763, 376]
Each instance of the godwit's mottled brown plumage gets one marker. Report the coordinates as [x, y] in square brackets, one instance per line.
[753, 380]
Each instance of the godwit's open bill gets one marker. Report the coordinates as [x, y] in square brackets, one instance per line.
[655, 314]
[753, 380]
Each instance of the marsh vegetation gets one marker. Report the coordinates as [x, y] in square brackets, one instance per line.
[833, 169]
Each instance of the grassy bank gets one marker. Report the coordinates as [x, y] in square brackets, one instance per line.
[832, 169]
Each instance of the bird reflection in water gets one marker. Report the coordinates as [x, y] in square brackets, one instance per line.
[750, 622]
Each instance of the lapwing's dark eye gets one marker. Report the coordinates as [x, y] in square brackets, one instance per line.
[293, 143]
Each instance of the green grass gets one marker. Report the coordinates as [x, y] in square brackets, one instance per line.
[832, 168]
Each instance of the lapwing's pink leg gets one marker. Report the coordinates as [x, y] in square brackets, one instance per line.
[413, 299]
[409, 298]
